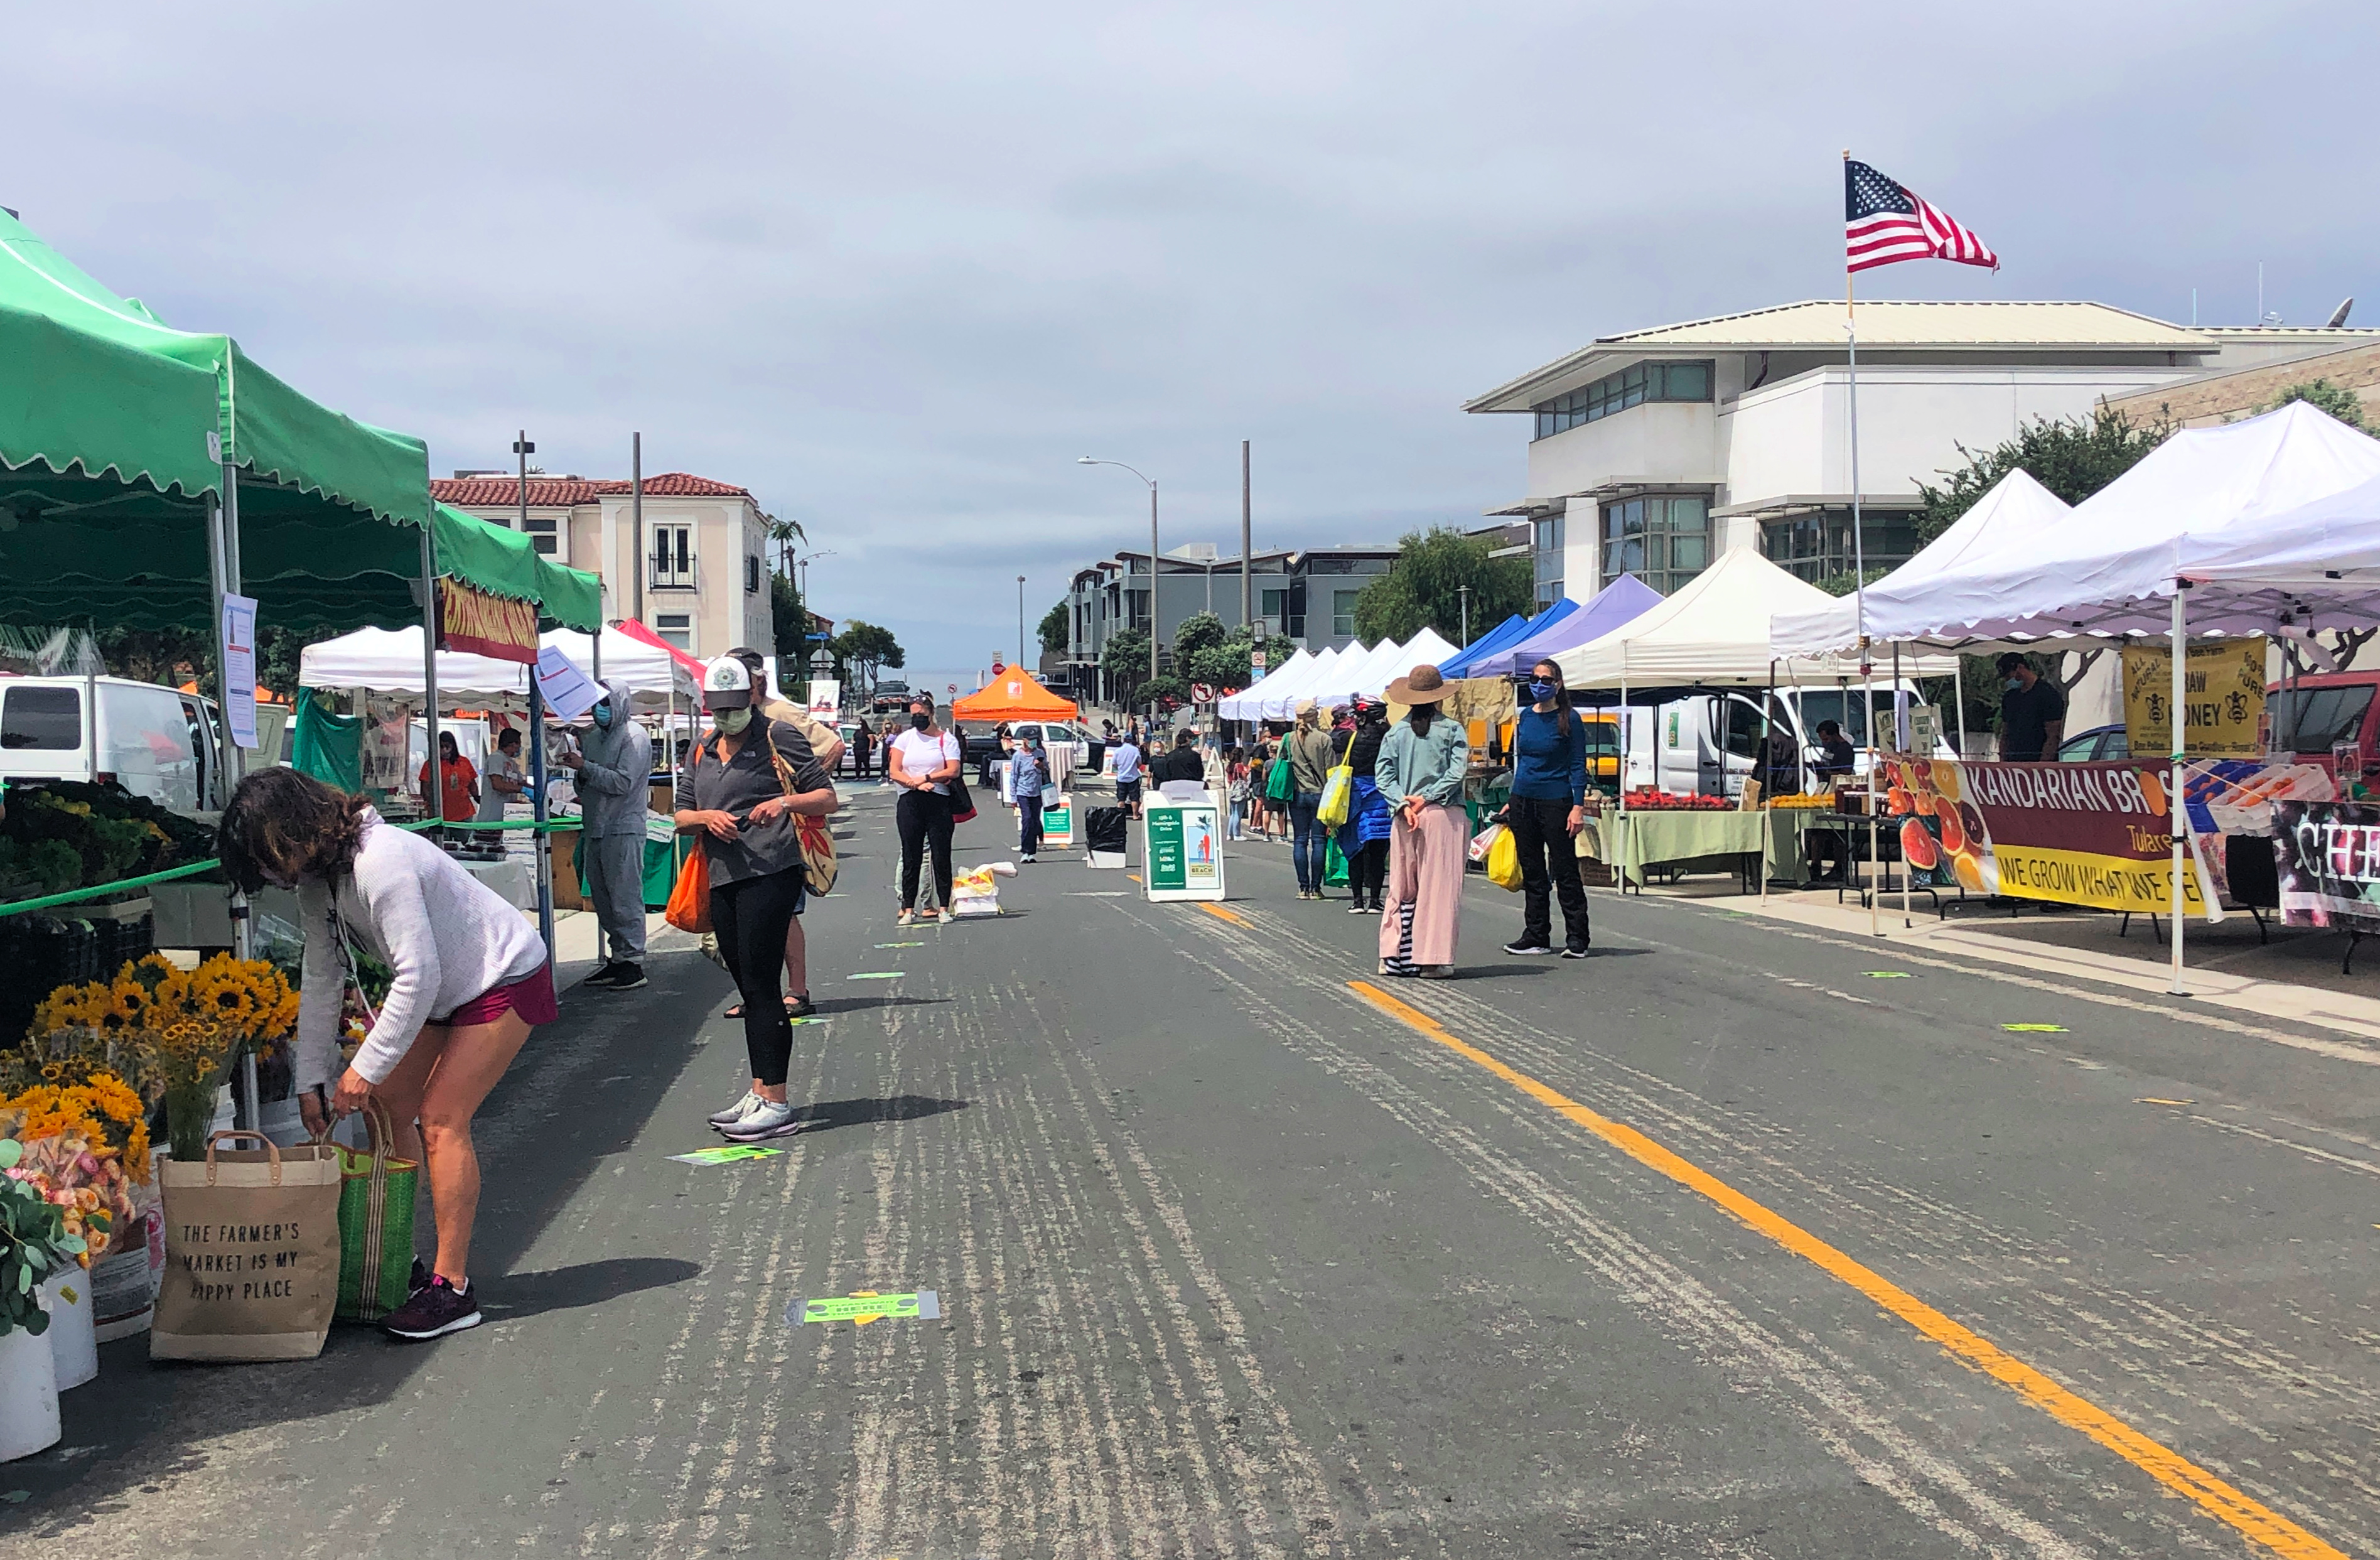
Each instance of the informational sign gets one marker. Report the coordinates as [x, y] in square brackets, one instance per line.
[2328, 853]
[1057, 820]
[863, 1306]
[2089, 834]
[826, 698]
[1181, 849]
[2224, 681]
[568, 692]
[471, 619]
[1924, 728]
[1255, 665]
[239, 667]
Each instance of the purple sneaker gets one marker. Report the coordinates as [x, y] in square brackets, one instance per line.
[437, 1310]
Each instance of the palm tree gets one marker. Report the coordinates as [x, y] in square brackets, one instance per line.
[784, 533]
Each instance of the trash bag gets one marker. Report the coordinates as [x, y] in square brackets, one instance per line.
[1106, 828]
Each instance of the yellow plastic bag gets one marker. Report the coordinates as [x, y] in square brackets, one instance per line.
[1504, 862]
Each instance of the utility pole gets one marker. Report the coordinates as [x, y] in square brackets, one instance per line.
[1464, 593]
[1020, 620]
[1247, 566]
[637, 513]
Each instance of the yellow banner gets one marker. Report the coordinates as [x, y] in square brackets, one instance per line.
[471, 619]
[2225, 683]
[2103, 882]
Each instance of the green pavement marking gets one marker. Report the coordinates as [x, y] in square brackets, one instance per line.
[726, 1155]
[900, 944]
[1885, 975]
[17, 1497]
[811, 1019]
[2034, 1028]
[863, 1306]
[878, 974]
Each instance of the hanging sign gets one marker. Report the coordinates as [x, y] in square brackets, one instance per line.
[2224, 683]
[472, 619]
[826, 698]
[239, 668]
[568, 692]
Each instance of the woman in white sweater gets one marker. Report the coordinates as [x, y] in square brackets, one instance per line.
[471, 978]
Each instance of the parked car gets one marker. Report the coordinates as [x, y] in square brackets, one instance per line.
[980, 743]
[154, 741]
[2099, 741]
[2324, 709]
[889, 695]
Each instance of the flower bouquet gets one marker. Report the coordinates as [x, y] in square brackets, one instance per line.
[34, 1243]
[83, 1149]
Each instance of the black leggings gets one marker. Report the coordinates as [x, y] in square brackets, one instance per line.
[1368, 875]
[751, 918]
[924, 818]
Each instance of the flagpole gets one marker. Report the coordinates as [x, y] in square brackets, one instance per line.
[1859, 605]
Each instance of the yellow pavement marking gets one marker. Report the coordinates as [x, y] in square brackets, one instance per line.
[2151, 1099]
[2176, 1472]
[1219, 913]
[1130, 877]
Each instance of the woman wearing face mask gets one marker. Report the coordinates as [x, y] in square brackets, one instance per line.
[471, 978]
[1420, 774]
[1364, 837]
[923, 762]
[1547, 809]
[739, 792]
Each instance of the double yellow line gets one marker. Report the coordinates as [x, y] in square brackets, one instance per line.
[1964, 1343]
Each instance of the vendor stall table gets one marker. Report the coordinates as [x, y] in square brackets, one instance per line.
[1684, 840]
[1788, 860]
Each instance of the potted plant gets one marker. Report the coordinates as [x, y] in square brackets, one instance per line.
[33, 1245]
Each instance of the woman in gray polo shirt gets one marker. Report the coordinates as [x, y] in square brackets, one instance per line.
[738, 792]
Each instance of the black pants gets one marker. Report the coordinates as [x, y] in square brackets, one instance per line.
[751, 918]
[924, 818]
[859, 748]
[1028, 824]
[1367, 874]
[1541, 829]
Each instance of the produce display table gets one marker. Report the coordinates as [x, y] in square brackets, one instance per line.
[1788, 859]
[1684, 840]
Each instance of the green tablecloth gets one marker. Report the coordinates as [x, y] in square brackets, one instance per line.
[1633, 841]
[1789, 862]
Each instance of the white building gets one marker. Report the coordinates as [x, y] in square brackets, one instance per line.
[1651, 450]
[706, 580]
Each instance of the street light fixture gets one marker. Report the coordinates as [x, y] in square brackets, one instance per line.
[1020, 620]
[1153, 619]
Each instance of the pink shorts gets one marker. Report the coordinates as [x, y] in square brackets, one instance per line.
[531, 997]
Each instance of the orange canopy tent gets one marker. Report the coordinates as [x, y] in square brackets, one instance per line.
[1014, 696]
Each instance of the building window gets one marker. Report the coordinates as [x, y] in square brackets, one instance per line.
[1663, 540]
[1273, 607]
[674, 556]
[1342, 613]
[751, 574]
[541, 536]
[1817, 546]
[1630, 387]
[677, 628]
[1548, 592]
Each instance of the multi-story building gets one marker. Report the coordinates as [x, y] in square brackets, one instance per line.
[1652, 451]
[704, 584]
[2229, 394]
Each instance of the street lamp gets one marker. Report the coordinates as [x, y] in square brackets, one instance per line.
[1153, 619]
[1020, 620]
[1463, 591]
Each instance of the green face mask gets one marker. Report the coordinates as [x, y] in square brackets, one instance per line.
[732, 722]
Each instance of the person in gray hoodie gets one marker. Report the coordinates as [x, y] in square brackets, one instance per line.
[614, 767]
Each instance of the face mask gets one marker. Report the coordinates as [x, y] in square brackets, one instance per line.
[1541, 691]
[732, 722]
[604, 715]
[919, 722]
[2015, 684]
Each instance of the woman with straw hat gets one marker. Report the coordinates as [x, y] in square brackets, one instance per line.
[1419, 774]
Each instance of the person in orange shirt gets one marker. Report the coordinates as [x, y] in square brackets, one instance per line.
[459, 787]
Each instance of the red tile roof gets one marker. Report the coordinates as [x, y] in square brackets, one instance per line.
[555, 493]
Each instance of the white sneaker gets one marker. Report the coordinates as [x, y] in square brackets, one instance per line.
[907, 918]
[944, 916]
[737, 1112]
[768, 1119]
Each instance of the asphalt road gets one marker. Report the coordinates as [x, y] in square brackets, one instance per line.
[1717, 1243]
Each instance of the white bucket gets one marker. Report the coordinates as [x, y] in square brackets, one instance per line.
[124, 1283]
[66, 1296]
[29, 1395]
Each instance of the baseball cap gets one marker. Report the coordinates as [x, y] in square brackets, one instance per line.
[726, 685]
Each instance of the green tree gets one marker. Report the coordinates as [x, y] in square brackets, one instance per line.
[1424, 589]
[1125, 660]
[2324, 396]
[161, 655]
[1160, 693]
[1841, 585]
[2071, 457]
[864, 649]
[789, 626]
[1057, 625]
[1199, 630]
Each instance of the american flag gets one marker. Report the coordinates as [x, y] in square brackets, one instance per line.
[1884, 223]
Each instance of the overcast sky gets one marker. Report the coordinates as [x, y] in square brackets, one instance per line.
[894, 266]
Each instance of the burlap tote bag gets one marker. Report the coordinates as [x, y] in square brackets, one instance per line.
[251, 1254]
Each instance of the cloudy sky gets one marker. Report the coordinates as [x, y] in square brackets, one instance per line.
[894, 266]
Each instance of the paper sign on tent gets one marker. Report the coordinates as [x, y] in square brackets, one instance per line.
[568, 692]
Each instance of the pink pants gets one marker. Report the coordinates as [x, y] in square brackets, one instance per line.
[1426, 871]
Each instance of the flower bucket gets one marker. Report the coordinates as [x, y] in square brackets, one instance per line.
[66, 1296]
[124, 1283]
[29, 1395]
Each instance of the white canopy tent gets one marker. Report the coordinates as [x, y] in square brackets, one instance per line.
[1354, 675]
[1281, 702]
[1426, 648]
[2011, 522]
[1248, 703]
[1715, 631]
[389, 661]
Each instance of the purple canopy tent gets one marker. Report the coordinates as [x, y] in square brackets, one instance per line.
[1615, 604]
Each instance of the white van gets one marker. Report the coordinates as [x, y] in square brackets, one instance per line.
[1709, 743]
[156, 742]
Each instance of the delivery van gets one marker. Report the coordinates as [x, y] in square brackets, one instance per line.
[154, 741]
[1709, 743]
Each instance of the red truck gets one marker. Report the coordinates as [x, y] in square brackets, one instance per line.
[2324, 709]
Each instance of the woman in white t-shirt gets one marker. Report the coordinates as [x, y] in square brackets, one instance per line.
[923, 761]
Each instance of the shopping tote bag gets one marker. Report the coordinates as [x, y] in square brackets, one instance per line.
[1338, 787]
[690, 901]
[251, 1252]
[375, 1223]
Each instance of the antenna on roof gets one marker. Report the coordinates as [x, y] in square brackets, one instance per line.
[2339, 315]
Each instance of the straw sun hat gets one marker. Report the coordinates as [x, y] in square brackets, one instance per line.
[1421, 685]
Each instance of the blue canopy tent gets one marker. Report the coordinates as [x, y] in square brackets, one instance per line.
[1616, 603]
[1487, 643]
[1485, 656]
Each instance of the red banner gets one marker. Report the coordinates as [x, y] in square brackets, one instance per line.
[471, 619]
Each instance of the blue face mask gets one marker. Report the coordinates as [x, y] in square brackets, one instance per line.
[604, 715]
[2015, 684]
[1541, 691]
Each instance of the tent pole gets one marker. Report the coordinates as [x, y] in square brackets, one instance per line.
[219, 559]
[544, 839]
[1768, 740]
[1959, 698]
[2177, 815]
[1902, 739]
[435, 794]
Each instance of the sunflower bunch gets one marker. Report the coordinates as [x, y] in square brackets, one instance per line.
[70, 1057]
[193, 1054]
[246, 999]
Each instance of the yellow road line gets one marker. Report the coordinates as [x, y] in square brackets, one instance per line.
[2176, 1472]
[1219, 913]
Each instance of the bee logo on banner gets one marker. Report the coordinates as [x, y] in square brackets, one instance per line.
[2224, 681]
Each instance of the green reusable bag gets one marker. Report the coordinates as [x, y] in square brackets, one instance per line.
[375, 1223]
[1280, 785]
[1334, 865]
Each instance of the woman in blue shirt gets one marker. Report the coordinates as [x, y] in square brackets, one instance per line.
[1547, 809]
